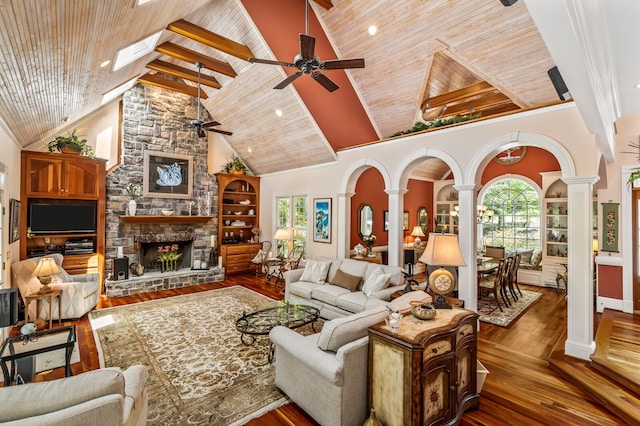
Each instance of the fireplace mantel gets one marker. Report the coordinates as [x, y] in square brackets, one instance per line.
[176, 220]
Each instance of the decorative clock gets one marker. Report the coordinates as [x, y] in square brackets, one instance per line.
[441, 283]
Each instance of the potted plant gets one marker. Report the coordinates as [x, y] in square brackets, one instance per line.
[71, 144]
[235, 166]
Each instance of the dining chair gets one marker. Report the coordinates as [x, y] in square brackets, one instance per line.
[497, 252]
[495, 282]
[513, 276]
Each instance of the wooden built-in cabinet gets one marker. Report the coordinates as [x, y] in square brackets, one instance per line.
[48, 177]
[425, 374]
[238, 214]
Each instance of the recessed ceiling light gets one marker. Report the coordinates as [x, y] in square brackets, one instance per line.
[66, 119]
[249, 150]
[279, 112]
[373, 29]
[105, 63]
[638, 86]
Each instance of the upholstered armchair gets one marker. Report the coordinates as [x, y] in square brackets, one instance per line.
[326, 373]
[79, 295]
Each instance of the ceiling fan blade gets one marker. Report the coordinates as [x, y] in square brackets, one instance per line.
[270, 62]
[341, 64]
[224, 132]
[284, 83]
[210, 124]
[325, 81]
[307, 46]
[201, 132]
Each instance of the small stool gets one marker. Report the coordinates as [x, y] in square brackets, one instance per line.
[44, 296]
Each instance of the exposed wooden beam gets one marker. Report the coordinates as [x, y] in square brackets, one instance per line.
[187, 74]
[184, 54]
[458, 95]
[197, 33]
[477, 104]
[176, 86]
[324, 3]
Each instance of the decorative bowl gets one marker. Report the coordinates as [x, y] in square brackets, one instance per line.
[244, 202]
[237, 213]
[28, 328]
[423, 310]
[167, 212]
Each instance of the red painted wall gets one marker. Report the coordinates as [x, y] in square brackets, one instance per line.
[610, 281]
[280, 22]
[370, 189]
[536, 160]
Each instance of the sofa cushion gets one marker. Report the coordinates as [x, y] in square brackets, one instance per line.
[536, 258]
[340, 331]
[302, 288]
[525, 256]
[315, 271]
[344, 280]
[353, 302]
[394, 271]
[376, 280]
[335, 266]
[354, 267]
[328, 293]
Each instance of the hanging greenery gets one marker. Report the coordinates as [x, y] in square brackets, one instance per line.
[440, 122]
[635, 175]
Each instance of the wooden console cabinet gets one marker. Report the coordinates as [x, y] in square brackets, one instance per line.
[238, 214]
[52, 176]
[425, 374]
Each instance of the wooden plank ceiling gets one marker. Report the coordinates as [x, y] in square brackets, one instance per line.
[432, 59]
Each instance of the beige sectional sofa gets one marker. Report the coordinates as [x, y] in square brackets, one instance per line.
[326, 373]
[342, 287]
[105, 397]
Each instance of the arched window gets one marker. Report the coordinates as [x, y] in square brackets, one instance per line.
[515, 223]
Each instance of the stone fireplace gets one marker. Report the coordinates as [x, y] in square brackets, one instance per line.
[155, 119]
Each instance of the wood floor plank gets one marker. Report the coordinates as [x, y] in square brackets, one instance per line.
[519, 390]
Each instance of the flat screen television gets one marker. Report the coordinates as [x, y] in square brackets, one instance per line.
[62, 217]
[8, 307]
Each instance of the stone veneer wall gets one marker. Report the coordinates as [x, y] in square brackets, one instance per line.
[157, 120]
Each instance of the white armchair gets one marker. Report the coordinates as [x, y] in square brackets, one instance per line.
[326, 373]
[79, 295]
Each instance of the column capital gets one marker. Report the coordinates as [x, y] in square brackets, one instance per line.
[345, 194]
[575, 180]
[396, 191]
[471, 187]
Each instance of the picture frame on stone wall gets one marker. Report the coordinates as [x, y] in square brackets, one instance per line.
[167, 175]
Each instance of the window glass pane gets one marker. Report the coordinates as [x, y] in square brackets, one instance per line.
[516, 220]
[283, 212]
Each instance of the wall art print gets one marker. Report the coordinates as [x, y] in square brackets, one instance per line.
[610, 223]
[167, 175]
[322, 222]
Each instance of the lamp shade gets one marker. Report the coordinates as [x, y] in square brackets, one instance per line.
[46, 266]
[442, 250]
[595, 244]
[417, 231]
[281, 234]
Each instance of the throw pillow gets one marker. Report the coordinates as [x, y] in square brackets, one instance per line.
[536, 258]
[315, 271]
[259, 257]
[344, 280]
[377, 280]
[525, 256]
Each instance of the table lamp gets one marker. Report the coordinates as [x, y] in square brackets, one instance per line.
[46, 267]
[281, 235]
[417, 232]
[442, 250]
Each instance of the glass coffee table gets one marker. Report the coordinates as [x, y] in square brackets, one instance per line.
[260, 323]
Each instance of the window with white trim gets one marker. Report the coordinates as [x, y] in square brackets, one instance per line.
[291, 214]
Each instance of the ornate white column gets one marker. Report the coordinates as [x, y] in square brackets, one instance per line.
[343, 223]
[467, 275]
[396, 206]
[580, 343]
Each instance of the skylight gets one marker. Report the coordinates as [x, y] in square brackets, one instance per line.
[114, 93]
[136, 50]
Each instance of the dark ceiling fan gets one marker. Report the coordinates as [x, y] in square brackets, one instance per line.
[202, 127]
[307, 62]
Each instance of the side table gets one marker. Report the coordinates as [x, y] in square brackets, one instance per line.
[44, 296]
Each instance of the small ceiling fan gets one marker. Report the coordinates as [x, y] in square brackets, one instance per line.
[307, 62]
[201, 126]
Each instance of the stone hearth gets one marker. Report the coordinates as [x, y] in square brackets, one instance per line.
[156, 281]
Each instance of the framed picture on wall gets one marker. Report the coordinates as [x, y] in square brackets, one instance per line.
[386, 220]
[322, 222]
[610, 221]
[167, 175]
[405, 221]
[15, 213]
[423, 219]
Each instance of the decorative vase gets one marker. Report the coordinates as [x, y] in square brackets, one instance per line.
[370, 252]
[132, 207]
[372, 420]
[359, 250]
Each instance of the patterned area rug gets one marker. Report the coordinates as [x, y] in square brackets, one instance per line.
[199, 370]
[490, 313]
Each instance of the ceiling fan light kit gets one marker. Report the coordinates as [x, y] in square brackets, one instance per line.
[308, 63]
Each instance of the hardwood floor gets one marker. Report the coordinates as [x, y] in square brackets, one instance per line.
[519, 390]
